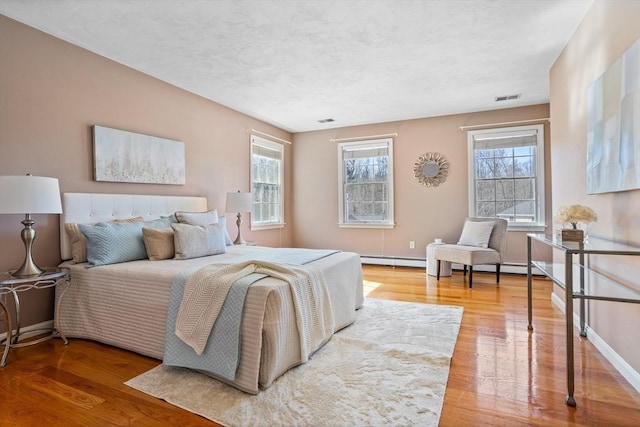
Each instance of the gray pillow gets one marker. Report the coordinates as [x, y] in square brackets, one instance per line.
[205, 218]
[192, 241]
[476, 233]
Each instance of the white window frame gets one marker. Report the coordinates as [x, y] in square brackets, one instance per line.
[496, 133]
[263, 143]
[342, 221]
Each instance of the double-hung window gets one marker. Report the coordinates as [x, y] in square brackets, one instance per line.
[267, 167]
[506, 176]
[365, 177]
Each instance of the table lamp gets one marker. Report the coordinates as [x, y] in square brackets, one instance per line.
[239, 202]
[26, 194]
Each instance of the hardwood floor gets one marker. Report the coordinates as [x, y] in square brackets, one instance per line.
[501, 375]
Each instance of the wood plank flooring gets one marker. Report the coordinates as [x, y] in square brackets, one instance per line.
[501, 375]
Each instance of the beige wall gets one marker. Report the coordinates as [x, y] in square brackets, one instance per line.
[421, 213]
[606, 32]
[52, 92]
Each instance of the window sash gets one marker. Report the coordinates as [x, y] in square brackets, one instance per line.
[366, 182]
[507, 174]
[267, 182]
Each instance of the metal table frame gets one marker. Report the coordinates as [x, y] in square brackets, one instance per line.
[583, 274]
[14, 285]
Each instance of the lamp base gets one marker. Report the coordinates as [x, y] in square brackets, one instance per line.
[27, 271]
[239, 240]
[28, 234]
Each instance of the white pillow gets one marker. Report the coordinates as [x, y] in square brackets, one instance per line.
[476, 233]
[197, 218]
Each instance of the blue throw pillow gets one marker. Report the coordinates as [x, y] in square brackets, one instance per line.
[111, 243]
[227, 239]
[162, 222]
[171, 218]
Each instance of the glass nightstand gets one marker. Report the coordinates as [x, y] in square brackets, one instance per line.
[14, 285]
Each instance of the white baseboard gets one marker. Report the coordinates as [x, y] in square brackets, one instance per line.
[38, 326]
[513, 268]
[394, 262]
[631, 375]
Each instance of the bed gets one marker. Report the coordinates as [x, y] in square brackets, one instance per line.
[125, 304]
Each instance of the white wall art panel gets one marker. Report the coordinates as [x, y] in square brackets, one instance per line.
[122, 156]
[613, 126]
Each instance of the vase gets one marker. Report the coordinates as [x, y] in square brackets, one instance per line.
[572, 235]
[584, 226]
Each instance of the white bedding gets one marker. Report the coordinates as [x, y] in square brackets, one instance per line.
[125, 305]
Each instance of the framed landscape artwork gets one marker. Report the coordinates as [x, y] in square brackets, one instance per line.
[122, 156]
[613, 126]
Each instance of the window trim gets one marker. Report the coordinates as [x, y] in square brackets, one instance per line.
[540, 224]
[390, 222]
[268, 144]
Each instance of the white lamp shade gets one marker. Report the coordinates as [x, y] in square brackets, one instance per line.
[238, 202]
[26, 194]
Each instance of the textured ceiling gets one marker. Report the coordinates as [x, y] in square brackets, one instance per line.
[292, 63]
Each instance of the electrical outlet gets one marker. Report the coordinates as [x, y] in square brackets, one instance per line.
[412, 244]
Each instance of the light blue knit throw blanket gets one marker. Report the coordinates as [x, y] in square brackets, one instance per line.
[219, 353]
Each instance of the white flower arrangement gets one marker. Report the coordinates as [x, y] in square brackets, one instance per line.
[574, 214]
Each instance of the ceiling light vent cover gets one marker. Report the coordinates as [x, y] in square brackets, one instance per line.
[507, 97]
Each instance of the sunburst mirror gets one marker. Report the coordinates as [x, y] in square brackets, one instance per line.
[431, 169]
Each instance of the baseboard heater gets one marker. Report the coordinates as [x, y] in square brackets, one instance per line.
[514, 268]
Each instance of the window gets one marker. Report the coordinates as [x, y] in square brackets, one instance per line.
[365, 176]
[506, 174]
[267, 163]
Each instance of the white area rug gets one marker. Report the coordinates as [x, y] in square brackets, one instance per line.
[389, 368]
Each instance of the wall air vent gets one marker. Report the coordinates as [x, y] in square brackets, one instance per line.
[507, 97]
[326, 121]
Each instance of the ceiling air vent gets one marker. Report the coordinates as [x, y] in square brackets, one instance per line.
[507, 97]
[326, 121]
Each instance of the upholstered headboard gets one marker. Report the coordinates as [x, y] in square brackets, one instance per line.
[82, 208]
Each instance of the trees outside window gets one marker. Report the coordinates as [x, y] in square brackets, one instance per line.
[507, 174]
[366, 183]
[267, 164]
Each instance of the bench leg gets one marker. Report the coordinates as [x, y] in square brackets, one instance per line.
[498, 273]
[438, 270]
[470, 276]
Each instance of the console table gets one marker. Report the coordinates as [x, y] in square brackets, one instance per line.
[573, 275]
